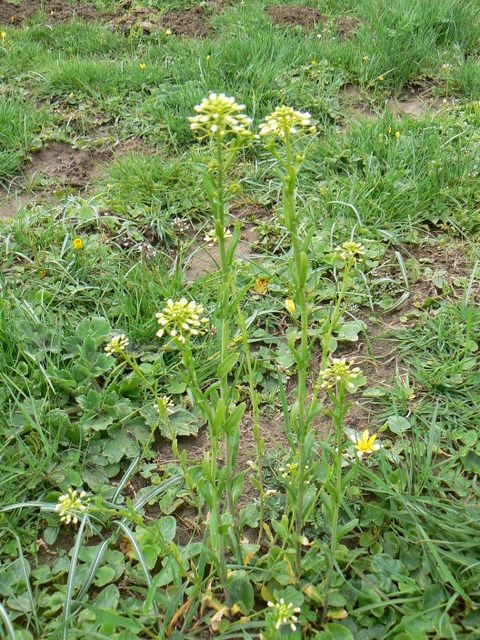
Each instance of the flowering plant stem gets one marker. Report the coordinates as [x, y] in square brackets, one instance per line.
[339, 411]
[219, 212]
[335, 315]
[299, 275]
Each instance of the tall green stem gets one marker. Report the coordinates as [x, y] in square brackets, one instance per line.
[299, 280]
[225, 312]
[338, 416]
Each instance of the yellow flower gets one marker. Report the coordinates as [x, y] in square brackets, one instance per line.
[208, 57]
[261, 286]
[365, 444]
[397, 135]
[290, 306]
[71, 94]
[168, 32]
[380, 78]
[313, 63]
[142, 66]
[366, 58]
[78, 244]
[4, 35]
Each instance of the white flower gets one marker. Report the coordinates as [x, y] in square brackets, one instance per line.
[219, 115]
[284, 614]
[117, 345]
[286, 121]
[338, 371]
[70, 504]
[181, 319]
[165, 405]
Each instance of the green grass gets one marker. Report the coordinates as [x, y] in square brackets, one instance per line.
[141, 564]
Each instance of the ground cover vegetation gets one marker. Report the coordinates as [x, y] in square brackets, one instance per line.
[239, 336]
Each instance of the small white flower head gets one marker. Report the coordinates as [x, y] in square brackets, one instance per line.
[365, 444]
[219, 116]
[211, 237]
[179, 226]
[284, 614]
[351, 252]
[181, 320]
[285, 121]
[117, 345]
[165, 405]
[339, 372]
[290, 472]
[72, 504]
[446, 67]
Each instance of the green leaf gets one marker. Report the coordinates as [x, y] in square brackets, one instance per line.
[91, 402]
[104, 576]
[241, 592]
[227, 365]
[471, 462]
[107, 615]
[231, 424]
[334, 631]
[398, 425]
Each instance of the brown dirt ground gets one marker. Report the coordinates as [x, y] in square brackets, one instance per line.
[59, 165]
[347, 27]
[62, 11]
[190, 23]
[291, 16]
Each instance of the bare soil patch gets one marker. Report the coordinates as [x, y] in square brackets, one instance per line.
[59, 165]
[56, 11]
[291, 16]
[347, 27]
[191, 23]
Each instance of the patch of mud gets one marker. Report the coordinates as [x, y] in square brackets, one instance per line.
[204, 259]
[190, 23]
[355, 106]
[347, 27]
[56, 11]
[58, 165]
[291, 16]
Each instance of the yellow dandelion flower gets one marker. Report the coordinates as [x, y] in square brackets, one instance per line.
[78, 244]
[142, 66]
[397, 134]
[168, 32]
[365, 444]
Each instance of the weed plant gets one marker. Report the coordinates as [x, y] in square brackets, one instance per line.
[140, 492]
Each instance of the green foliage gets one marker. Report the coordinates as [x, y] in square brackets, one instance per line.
[181, 524]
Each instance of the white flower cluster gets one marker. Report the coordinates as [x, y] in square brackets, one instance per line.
[338, 371]
[286, 121]
[70, 504]
[219, 115]
[211, 238]
[165, 405]
[353, 251]
[117, 345]
[284, 614]
[181, 319]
